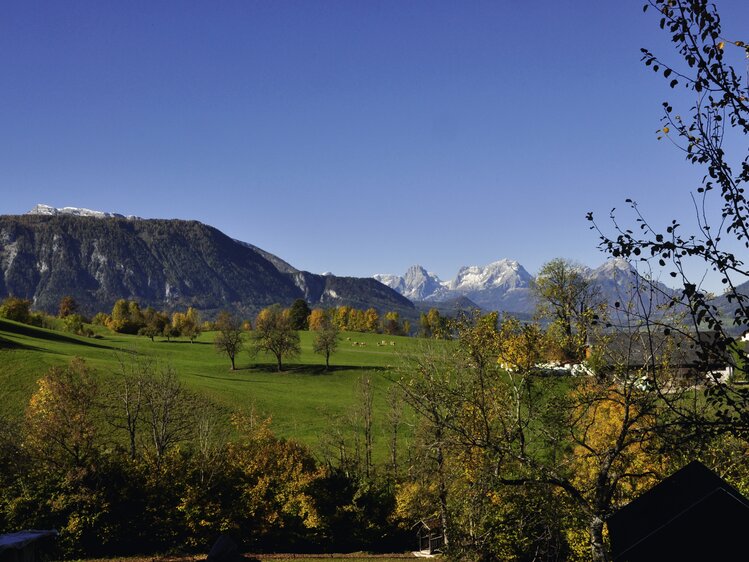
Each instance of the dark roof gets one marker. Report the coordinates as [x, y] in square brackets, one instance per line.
[692, 515]
[430, 523]
[639, 349]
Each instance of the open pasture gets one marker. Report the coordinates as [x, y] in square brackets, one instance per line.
[304, 401]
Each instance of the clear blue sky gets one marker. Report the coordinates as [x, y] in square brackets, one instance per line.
[350, 136]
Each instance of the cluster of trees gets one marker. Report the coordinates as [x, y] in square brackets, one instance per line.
[128, 318]
[275, 333]
[349, 319]
[19, 310]
[433, 325]
[519, 465]
[139, 464]
[16, 309]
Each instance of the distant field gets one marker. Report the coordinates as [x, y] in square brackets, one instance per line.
[302, 400]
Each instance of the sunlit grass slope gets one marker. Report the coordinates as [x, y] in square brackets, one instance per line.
[302, 401]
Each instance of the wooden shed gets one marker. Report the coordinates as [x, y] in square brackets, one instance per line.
[429, 537]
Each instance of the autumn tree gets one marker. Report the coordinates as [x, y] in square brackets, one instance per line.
[100, 319]
[155, 322]
[325, 340]
[433, 325]
[356, 320]
[568, 299]
[341, 317]
[17, 309]
[429, 382]
[478, 337]
[272, 494]
[187, 324]
[170, 331]
[73, 323]
[317, 318]
[68, 306]
[274, 334]
[126, 317]
[229, 338]
[615, 454]
[391, 324]
[371, 320]
[61, 416]
[520, 346]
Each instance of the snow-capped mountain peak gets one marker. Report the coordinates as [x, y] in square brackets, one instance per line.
[416, 284]
[506, 285]
[76, 211]
[613, 266]
[503, 273]
[502, 284]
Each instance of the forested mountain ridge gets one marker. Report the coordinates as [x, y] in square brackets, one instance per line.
[162, 263]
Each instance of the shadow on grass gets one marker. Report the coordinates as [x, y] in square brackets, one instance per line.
[12, 345]
[291, 369]
[49, 335]
[308, 368]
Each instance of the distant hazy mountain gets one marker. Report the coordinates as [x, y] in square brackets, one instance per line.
[450, 307]
[618, 281]
[505, 285]
[101, 257]
[727, 308]
[502, 285]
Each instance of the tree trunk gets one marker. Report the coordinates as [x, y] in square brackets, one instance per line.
[232, 362]
[327, 361]
[597, 548]
[132, 444]
[280, 367]
[442, 493]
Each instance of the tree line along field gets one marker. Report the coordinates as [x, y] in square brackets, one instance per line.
[303, 401]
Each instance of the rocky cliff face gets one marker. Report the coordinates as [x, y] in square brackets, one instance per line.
[163, 263]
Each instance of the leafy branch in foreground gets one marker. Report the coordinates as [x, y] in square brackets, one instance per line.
[720, 237]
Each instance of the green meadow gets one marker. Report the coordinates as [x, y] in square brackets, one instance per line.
[304, 401]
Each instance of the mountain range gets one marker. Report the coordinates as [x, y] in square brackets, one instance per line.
[99, 257]
[505, 285]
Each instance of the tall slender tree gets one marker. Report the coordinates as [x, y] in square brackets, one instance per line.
[229, 337]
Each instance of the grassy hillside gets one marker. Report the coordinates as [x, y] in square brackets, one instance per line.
[302, 401]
